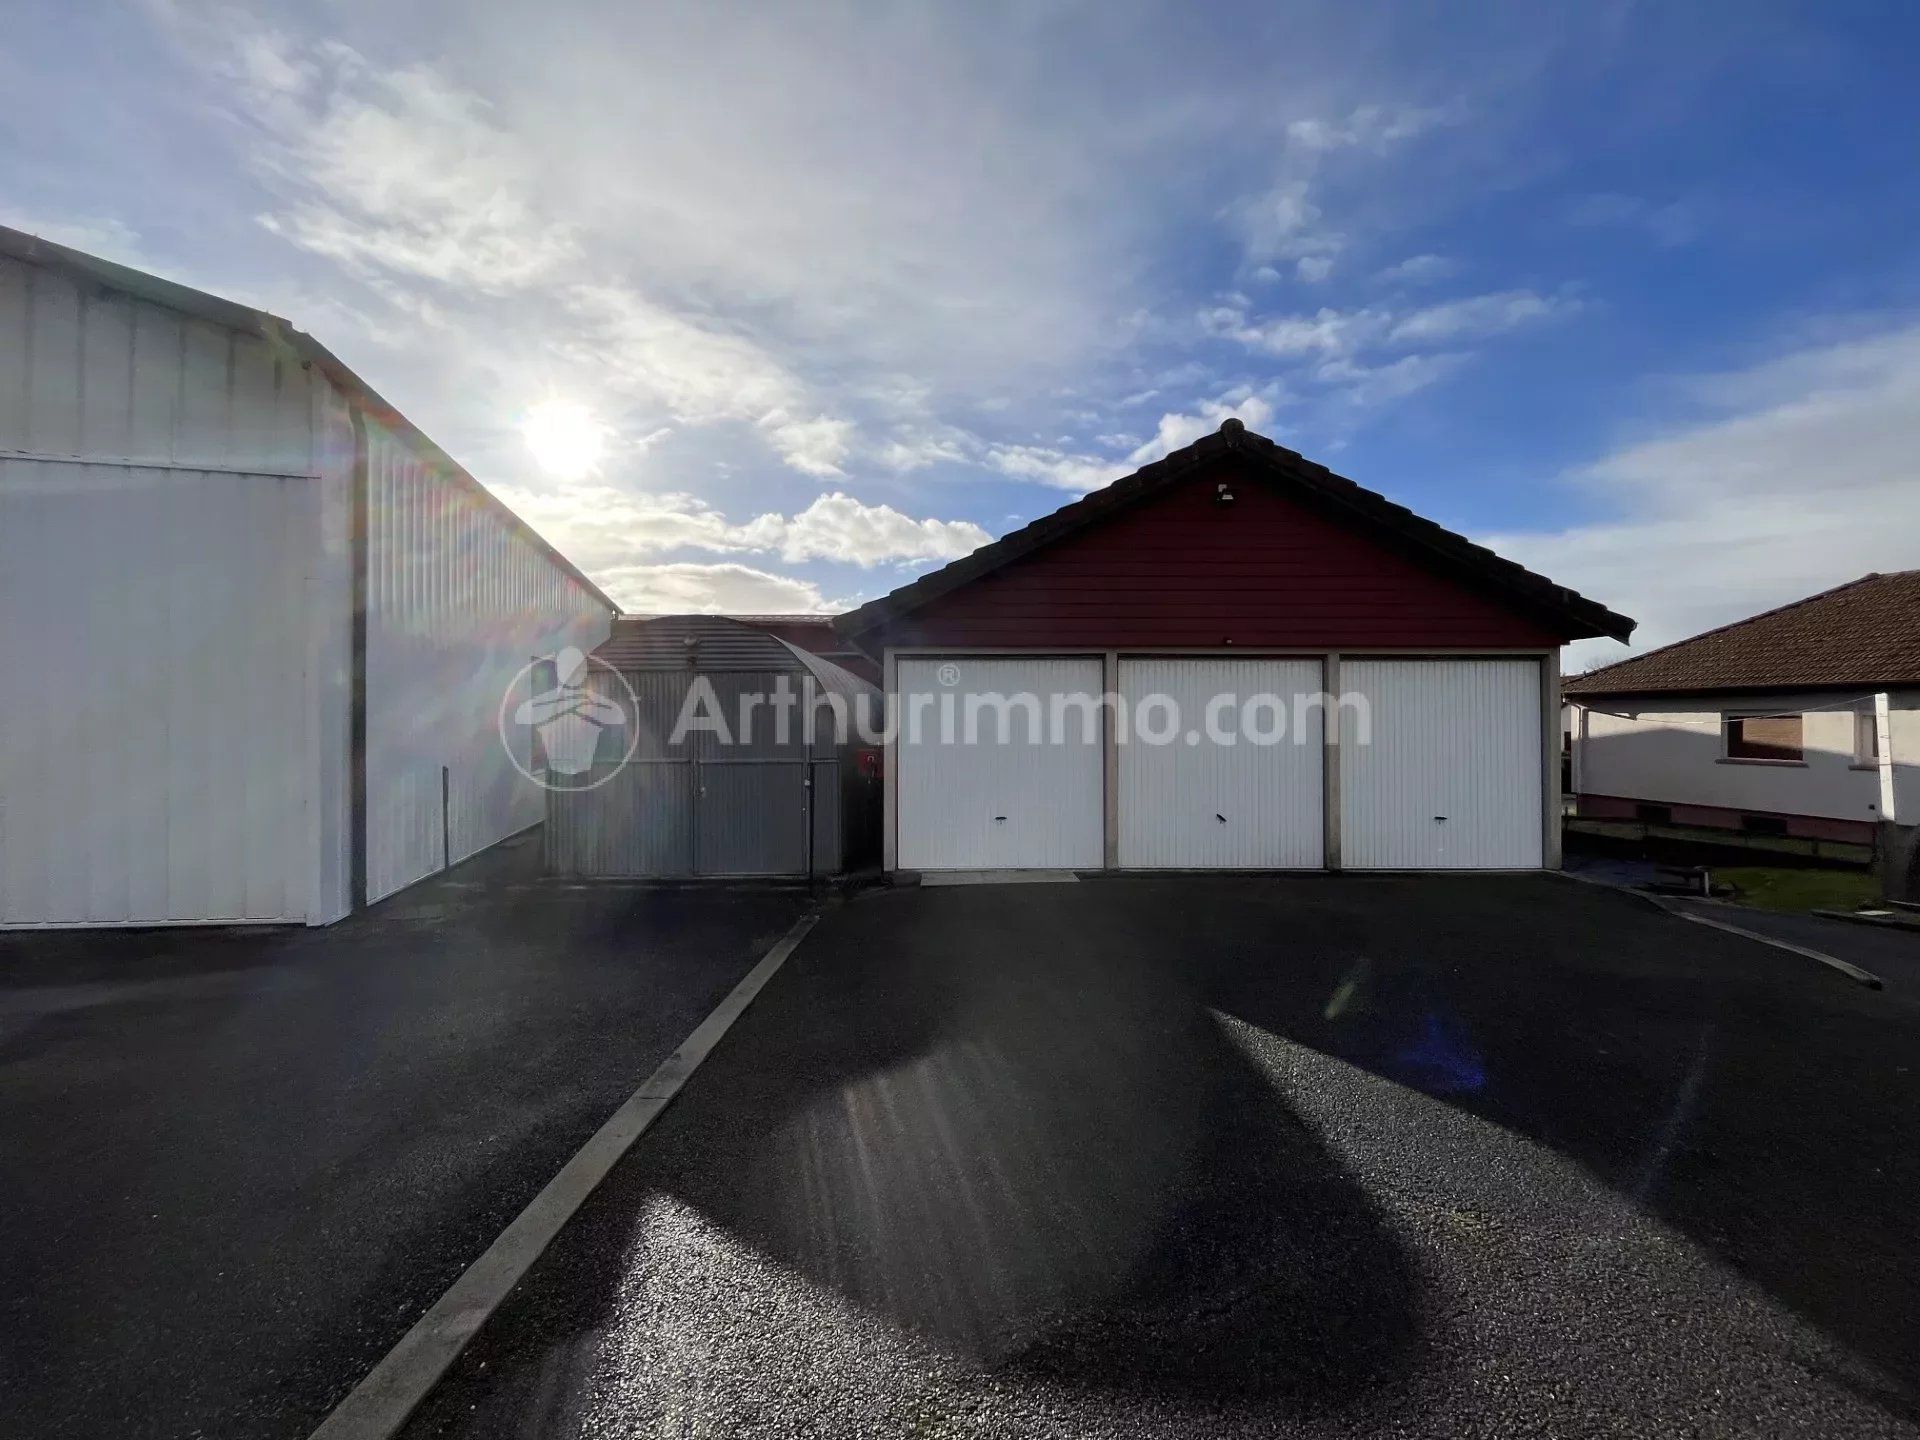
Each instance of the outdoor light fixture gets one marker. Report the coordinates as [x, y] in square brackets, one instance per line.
[1222, 494]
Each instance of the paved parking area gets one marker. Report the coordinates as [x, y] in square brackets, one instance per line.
[238, 1166]
[1410, 1156]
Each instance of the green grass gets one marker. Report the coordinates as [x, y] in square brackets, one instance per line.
[1792, 889]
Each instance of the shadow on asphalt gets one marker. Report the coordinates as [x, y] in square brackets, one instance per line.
[1012, 1123]
[1751, 1100]
[243, 1163]
[1060, 1170]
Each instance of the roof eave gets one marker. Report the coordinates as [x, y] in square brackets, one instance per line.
[1577, 617]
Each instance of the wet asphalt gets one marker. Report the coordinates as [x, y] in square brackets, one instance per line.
[1318, 1156]
[239, 1165]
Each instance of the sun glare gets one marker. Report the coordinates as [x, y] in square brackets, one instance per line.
[565, 438]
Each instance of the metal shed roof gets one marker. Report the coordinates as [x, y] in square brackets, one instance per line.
[715, 643]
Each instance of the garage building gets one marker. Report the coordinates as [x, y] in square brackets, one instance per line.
[255, 628]
[1233, 567]
[748, 799]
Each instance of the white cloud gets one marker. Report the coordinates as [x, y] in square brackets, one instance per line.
[839, 527]
[1418, 270]
[1071, 470]
[1370, 385]
[710, 589]
[1326, 332]
[604, 528]
[1284, 224]
[1370, 127]
[1334, 332]
[397, 169]
[1806, 476]
[1059, 468]
[645, 351]
[912, 451]
[1477, 316]
[1177, 430]
[813, 447]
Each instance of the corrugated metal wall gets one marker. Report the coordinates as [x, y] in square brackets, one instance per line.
[705, 807]
[1237, 805]
[1450, 775]
[458, 603]
[155, 736]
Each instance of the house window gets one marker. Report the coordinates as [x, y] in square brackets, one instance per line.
[1763, 737]
[1866, 738]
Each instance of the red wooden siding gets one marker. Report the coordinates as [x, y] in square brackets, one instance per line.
[1182, 569]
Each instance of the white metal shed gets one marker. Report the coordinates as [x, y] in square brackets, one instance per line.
[255, 627]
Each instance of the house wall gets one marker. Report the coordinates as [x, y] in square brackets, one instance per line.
[1181, 569]
[459, 601]
[158, 523]
[1669, 751]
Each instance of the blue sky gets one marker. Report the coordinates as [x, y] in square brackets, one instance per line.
[837, 292]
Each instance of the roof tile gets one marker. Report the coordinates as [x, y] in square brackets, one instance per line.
[1866, 632]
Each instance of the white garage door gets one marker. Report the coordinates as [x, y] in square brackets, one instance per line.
[1442, 770]
[1010, 799]
[1247, 796]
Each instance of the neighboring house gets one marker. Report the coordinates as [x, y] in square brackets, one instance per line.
[1803, 721]
[1232, 566]
[256, 630]
[761, 797]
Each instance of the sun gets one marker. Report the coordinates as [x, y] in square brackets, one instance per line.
[565, 438]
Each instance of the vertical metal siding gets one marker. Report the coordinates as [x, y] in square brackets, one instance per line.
[459, 602]
[1233, 806]
[639, 823]
[829, 808]
[751, 817]
[1452, 738]
[156, 536]
[701, 807]
[152, 704]
[1015, 805]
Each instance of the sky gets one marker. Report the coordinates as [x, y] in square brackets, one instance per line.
[771, 308]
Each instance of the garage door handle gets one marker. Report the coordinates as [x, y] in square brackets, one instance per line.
[1441, 818]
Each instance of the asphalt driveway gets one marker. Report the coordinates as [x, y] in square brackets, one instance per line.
[238, 1166]
[1477, 1155]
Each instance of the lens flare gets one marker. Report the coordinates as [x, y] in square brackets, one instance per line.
[565, 438]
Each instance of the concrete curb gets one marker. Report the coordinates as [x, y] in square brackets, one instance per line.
[1891, 921]
[380, 1405]
[1847, 968]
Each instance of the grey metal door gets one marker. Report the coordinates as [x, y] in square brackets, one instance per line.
[750, 817]
[640, 822]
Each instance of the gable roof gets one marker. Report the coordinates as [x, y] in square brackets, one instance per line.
[1866, 632]
[184, 300]
[1578, 616]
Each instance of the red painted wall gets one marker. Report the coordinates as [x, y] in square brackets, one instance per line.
[1182, 569]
